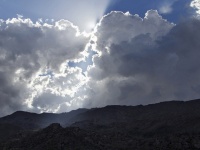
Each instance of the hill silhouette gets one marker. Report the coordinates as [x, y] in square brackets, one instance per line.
[166, 125]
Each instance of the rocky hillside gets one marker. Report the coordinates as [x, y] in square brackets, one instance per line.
[56, 137]
[166, 125]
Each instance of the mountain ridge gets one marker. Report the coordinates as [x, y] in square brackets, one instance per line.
[110, 125]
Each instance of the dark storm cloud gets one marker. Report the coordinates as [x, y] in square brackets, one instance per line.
[9, 95]
[170, 65]
[147, 69]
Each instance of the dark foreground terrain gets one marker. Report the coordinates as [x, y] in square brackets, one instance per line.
[167, 125]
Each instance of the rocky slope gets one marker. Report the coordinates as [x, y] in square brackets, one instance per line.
[167, 125]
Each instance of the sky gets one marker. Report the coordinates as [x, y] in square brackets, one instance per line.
[57, 56]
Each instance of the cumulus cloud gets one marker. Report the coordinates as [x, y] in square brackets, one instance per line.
[144, 61]
[136, 61]
[196, 5]
[125, 27]
[29, 51]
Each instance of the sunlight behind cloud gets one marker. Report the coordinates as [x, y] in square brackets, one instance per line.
[77, 11]
[63, 55]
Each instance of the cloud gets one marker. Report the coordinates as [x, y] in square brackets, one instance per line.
[166, 7]
[29, 50]
[144, 61]
[196, 5]
[125, 27]
[136, 61]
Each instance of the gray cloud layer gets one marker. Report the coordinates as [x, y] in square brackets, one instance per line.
[138, 61]
[146, 63]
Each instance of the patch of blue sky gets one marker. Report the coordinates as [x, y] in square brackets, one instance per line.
[57, 10]
[48, 73]
[180, 9]
[83, 64]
